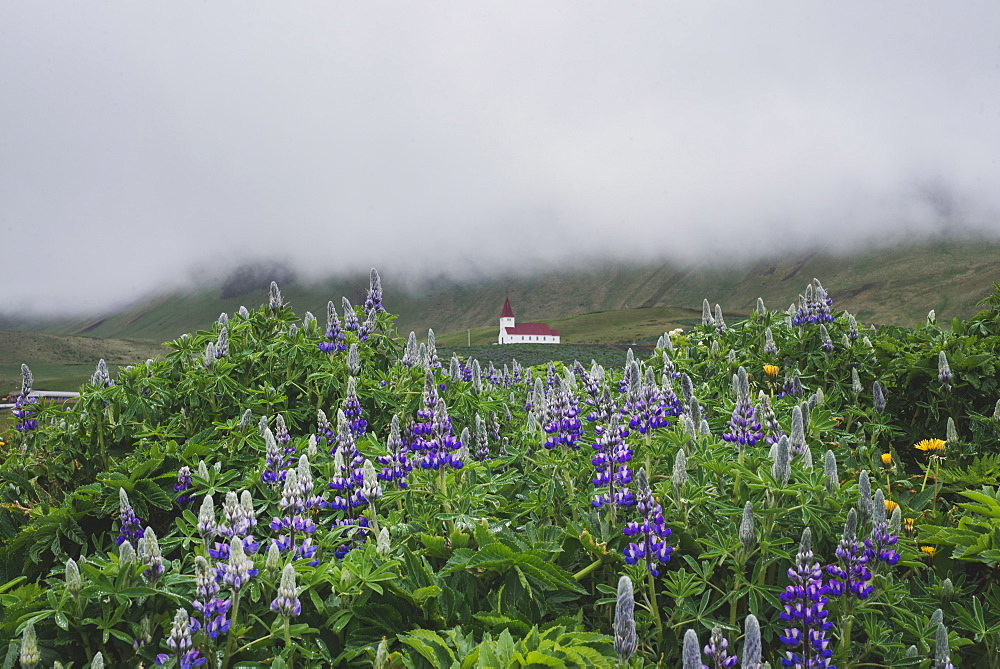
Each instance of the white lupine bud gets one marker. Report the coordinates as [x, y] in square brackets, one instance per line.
[705, 429]
[751, 644]
[680, 474]
[273, 561]
[274, 300]
[626, 640]
[781, 468]
[691, 652]
[895, 521]
[243, 312]
[748, 532]
[353, 360]
[126, 553]
[370, 487]
[706, 313]
[477, 378]
[878, 508]
[382, 655]
[951, 432]
[74, 583]
[720, 323]
[865, 507]
[382, 544]
[761, 309]
[942, 654]
[30, 656]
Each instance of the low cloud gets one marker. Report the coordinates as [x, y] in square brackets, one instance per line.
[148, 146]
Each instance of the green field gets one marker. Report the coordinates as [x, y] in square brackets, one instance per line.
[63, 362]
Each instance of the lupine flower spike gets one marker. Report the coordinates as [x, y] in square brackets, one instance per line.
[651, 532]
[751, 644]
[287, 603]
[626, 640]
[805, 612]
[944, 371]
[717, 652]
[690, 654]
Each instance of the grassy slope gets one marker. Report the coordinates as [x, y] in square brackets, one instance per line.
[890, 285]
[63, 362]
[603, 327]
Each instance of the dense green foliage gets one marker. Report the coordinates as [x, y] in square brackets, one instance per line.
[504, 562]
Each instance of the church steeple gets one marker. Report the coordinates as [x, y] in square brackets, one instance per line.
[507, 311]
[506, 320]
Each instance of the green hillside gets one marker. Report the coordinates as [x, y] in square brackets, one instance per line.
[63, 362]
[889, 285]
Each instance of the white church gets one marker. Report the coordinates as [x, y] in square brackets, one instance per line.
[523, 333]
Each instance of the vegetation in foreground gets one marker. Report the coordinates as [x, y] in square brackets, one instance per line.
[795, 488]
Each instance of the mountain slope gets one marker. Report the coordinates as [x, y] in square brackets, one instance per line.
[890, 285]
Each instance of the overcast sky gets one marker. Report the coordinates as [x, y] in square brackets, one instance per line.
[141, 142]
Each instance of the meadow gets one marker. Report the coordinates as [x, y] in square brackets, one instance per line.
[795, 489]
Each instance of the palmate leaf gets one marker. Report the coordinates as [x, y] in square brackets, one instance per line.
[431, 646]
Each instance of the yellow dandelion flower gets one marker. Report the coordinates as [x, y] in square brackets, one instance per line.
[935, 445]
[908, 525]
[929, 550]
[887, 459]
[772, 370]
[890, 506]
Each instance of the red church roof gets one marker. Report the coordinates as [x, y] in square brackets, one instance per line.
[507, 311]
[532, 329]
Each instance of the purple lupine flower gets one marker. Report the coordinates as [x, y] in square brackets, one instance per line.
[651, 531]
[334, 334]
[770, 420]
[274, 460]
[805, 611]
[207, 528]
[944, 371]
[239, 569]
[180, 644]
[351, 323]
[611, 462]
[287, 604]
[744, 428]
[631, 373]
[373, 302]
[24, 409]
[770, 348]
[129, 528]
[354, 530]
[717, 652]
[213, 610]
[367, 327]
[561, 422]
[352, 409]
[850, 574]
[879, 546]
[149, 553]
[184, 482]
[852, 328]
[826, 343]
[281, 434]
[792, 386]
[650, 406]
[439, 447]
[395, 466]
[482, 440]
